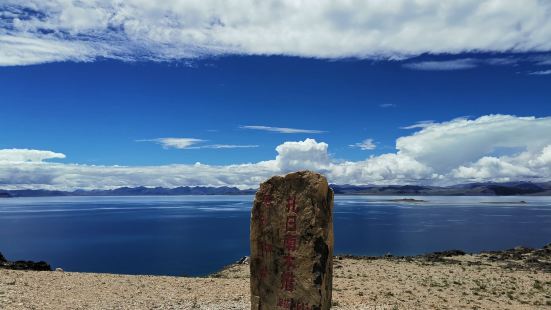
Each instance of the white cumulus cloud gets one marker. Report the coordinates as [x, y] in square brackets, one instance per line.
[307, 154]
[488, 148]
[27, 155]
[447, 145]
[38, 31]
[493, 168]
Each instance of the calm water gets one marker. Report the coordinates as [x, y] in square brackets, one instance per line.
[196, 235]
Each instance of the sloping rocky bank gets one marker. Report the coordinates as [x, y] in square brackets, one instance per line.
[518, 258]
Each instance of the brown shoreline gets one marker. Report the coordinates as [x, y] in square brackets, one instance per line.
[518, 278]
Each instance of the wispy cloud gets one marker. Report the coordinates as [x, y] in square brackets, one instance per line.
[191, 144]
[502, 61]
[174, 143]
[224, 146]
[542, 60]
[388, 105]
[470, 63]
[365, 145]
[542, 72]
[282, 129]
[443, 65]
[420, 124]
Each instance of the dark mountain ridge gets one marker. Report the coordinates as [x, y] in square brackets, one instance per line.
[470, 189]
[131, 191]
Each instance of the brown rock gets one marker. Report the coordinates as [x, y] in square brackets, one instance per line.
[292, 243]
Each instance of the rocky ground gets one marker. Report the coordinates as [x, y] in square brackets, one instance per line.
[519, 278]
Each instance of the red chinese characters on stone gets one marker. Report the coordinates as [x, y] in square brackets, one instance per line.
[263, 272]
[289, 303]
[291, 223]
[289, 262]
[265, 248]
[291, 205]
[288, 281]
[267, 200]
[259, 217]
[290, 246]
[284, 303]
[290, 243]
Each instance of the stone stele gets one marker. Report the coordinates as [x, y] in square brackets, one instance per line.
[292, 243]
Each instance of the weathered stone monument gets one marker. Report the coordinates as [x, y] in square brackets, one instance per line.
[292, 243]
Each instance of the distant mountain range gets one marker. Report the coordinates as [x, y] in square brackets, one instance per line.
[471, 189]
[131, 191]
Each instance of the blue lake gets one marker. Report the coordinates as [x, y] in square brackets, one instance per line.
[197, 235]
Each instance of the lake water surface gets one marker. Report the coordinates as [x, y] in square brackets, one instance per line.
[197, 235]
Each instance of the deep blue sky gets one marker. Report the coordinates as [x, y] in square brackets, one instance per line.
[123, 93]
[94, 112]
